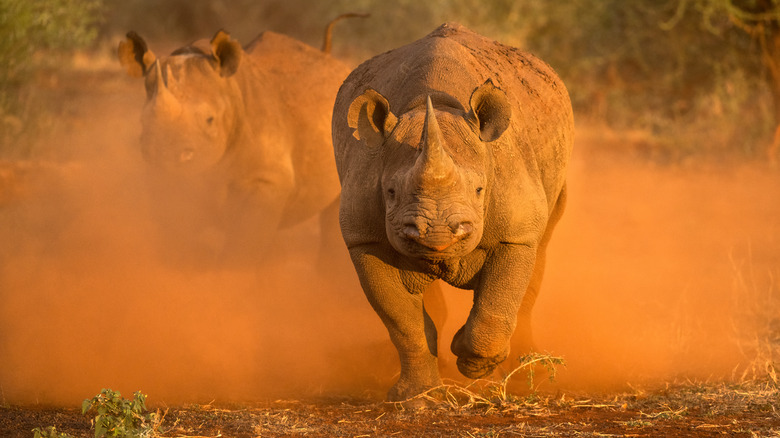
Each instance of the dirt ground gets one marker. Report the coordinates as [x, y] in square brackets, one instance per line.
[662, 294]
[690, 410]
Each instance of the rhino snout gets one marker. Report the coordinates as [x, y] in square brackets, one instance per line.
[438, 237]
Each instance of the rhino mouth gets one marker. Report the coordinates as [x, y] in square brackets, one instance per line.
[434, 242]
[438, 239]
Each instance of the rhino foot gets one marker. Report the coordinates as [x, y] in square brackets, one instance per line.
[405, 389]
[478, 367]
[472, 365]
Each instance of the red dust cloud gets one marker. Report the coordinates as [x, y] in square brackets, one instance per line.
[91, 295]
[654, 273]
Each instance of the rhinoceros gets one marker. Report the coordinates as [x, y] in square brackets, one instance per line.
[451, 152]
[251, 126]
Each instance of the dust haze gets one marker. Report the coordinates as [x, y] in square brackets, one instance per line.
[656, 272]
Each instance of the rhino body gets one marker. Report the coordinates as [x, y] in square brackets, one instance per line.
[239, 135]
[451, 153]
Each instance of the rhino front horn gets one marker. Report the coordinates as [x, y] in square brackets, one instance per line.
[434, 165]
[164, 100]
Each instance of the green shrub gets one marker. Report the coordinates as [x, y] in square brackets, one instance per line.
[117, 417]
[49, 432]
[30, 28]
[681, 70]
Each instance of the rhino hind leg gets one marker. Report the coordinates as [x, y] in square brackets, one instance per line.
[522, 339]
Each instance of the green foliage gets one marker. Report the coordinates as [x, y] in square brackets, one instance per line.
[682, 70]
[28, 26]
[117, 417]
[36, 33]
[49, 432]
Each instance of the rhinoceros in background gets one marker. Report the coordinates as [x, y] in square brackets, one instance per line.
[451, 153]
[244, 132]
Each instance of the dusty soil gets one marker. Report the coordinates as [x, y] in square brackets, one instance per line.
[662, 294]
[681, 411]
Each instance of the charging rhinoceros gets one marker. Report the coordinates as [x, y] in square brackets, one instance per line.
[451, 152]
[243, 132]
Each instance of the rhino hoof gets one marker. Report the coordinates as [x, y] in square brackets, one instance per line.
[405, 391]
[470, 364]
[477, 367]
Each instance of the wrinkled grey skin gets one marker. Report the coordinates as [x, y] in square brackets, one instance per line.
[244, 133]
[451, 153]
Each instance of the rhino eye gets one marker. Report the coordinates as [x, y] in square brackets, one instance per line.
[391, 192]
[479, 191]
[210, 120]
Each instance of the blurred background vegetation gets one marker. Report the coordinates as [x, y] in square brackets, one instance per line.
[693, 77]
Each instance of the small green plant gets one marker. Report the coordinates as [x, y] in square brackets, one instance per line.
[117, 417]
[49, 432]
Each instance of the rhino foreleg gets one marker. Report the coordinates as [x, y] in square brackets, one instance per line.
[483, 342]
[411, 329]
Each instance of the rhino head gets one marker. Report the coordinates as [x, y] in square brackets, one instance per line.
[190, 112]
[437, 170]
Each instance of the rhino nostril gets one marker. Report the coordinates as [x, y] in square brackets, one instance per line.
[462, 230]
[411, 231]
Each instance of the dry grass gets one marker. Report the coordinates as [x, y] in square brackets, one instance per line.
[486, 393]
[756, 322]
[748, 407]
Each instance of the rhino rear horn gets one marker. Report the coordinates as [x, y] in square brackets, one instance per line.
[369, 115]
[135, 56]
[227, 52]
[490, 111]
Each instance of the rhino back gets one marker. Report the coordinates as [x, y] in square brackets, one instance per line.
[291, 87]
[449, 64]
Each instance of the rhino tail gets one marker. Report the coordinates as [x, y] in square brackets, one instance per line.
[326, 42]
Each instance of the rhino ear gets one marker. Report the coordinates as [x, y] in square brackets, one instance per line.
[227, 52]
[369, 115]
[134, 55]
[490, 111]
